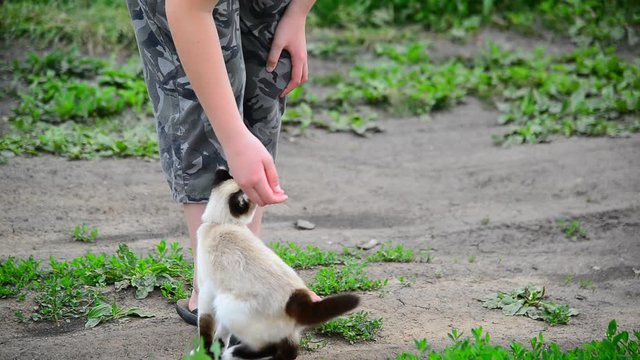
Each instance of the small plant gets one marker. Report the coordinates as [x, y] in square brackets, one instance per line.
[70, 288]
[471, 259]
[586, 284]
[309, 343]
[616, 345]
[103, 312]
[350, 277]
[300, 258]
[391, 253]
[529, 301]
[84, 234]
[354, 328]
[485, 221]
[573, 229]
[16, 275]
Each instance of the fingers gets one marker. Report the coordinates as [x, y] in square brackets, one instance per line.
[274, 55]
[272, 177]
[265, 189]
[297, 67]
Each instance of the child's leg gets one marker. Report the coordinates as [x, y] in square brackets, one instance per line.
[193, 218]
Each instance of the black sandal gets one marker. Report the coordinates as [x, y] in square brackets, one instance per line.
[190, 317]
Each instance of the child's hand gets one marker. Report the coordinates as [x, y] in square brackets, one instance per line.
[290, 36]
[253, 169]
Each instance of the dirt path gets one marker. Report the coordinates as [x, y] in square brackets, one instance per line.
[427, 184]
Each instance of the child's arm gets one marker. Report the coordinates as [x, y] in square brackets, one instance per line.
[196, 39]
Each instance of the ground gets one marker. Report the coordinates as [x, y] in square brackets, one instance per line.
[436, 183]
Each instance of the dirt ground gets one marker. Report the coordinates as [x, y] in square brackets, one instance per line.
[428, 184]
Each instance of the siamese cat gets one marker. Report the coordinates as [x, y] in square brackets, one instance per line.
[246, 289]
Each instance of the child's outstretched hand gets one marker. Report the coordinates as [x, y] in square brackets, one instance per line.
[252, 167]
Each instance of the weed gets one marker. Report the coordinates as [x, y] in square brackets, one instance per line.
[573, 229]
[586, 284]
[16, 275]
[568, 279]
[103, 312]
[529, 301]
[309, 343]
[68, 104]
[354, 328]
[300, 258]
[471, 259]
[84, 234]
[350, 277]
[616, 345]
[485, 221]
[70, 288]
[391, 253]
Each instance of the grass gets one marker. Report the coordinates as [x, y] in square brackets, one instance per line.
[391, 253]
[83, 233]
[79, 107]
[357, 327]
[95, 26]
[530, 301]
[617, 344]
[349, 277]
[70, 289]
[573, 229]
[584, 21]
[304, 258]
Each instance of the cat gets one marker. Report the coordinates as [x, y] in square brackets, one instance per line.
[246, 289]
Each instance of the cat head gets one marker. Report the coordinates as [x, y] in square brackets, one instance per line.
[228, 204]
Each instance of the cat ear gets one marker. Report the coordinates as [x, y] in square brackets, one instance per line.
[239, 204]
[308, 312]
[221, 176]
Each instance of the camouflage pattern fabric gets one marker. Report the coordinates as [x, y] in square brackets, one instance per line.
[189, 150]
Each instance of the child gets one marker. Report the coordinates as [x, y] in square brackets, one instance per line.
[217, 73]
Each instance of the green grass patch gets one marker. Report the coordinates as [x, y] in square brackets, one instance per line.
[392, 253]
[304, 258]
[69, 289]
[573, 229]
[83, 233]
[349, 277]
[94, 26]
[357, 327]
[584, 21]
[79, 107]
[16, 275]
[617, 344]
[588, 92]
[530, 302]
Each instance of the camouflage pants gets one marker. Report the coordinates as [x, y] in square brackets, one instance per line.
[189, 150]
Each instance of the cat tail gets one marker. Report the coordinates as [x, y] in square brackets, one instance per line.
[308, 312]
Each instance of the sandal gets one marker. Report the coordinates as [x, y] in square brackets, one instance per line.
[190, 317]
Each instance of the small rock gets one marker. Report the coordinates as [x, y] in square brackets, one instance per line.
[596, 268]
[368, 245]
[581, 297]
[305, 225]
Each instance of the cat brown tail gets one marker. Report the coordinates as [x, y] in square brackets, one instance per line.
[308, 312]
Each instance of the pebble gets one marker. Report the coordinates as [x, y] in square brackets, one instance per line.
[305, 225]
[369, 244]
